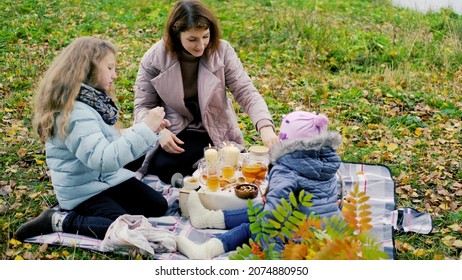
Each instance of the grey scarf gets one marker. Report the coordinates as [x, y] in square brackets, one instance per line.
[100, 101]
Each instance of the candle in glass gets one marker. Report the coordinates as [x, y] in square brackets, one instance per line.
[210, 155]
[230, 155]
[230, 158]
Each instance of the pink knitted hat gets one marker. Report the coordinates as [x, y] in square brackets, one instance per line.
[300, 124]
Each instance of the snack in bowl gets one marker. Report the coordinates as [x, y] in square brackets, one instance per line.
[246, 191]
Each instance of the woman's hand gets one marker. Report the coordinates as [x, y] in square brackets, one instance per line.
[155, 119]
[268, 136]
[169, 142]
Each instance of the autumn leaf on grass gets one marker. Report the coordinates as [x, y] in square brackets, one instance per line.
[448, 240]
[15, 242]
[392, 146]
[457, 243]
[5, 226]
[43, 247]
[418, 131]
[456, 227]
[21, 152]
[419, 252]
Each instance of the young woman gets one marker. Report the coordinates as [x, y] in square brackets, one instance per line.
[188, 73]
[75, 118]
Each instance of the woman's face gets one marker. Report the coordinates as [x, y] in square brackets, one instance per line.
[195, 40]
[106, 72]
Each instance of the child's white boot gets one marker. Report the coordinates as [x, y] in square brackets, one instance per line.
[205, 251]
[201, 217]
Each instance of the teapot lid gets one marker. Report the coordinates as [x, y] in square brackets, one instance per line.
[259, 150]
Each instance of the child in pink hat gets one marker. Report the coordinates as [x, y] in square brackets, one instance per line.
[300, 124]
[304, 159]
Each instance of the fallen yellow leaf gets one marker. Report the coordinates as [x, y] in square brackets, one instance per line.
[407, 247]
[457, 244]
[448, 240]
[455, 227]
[444, 206]
[65, 253]
[392, 146]
[18, 215]
[14, 241]
[419, 252]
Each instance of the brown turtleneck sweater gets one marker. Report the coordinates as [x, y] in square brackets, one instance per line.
[189, 69]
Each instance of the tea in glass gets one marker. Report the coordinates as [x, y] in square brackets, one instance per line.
[250, 171]
[261, 175]
[210, 175]
[255, 164]
[213, 181]
[227, 172]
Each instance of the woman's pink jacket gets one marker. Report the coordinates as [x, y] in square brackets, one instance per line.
[159, 83]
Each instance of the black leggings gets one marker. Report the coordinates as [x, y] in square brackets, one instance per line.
[94, 216]
[164, 164]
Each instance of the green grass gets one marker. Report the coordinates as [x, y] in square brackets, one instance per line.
[383, 75]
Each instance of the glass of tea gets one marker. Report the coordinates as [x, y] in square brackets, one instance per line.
[250, 170]
[210, 175]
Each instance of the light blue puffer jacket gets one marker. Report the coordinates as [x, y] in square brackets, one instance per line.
[91, 158]
[308, 164]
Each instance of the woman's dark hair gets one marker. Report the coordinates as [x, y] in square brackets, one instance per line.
[189, 14]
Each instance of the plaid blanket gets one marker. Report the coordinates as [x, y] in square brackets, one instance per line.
[375, 180]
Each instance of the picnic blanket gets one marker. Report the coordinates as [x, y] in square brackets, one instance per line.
[375, 180]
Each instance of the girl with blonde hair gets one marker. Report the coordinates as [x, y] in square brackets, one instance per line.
[76, 120]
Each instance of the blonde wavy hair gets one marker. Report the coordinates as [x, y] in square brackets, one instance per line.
[60, 85]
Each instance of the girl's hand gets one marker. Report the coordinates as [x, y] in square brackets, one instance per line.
[268, 136]
[263, 195]
[263, 199]
[169, 142]
[155, 119]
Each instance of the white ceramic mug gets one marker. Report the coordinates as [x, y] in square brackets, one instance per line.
[190, 183]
